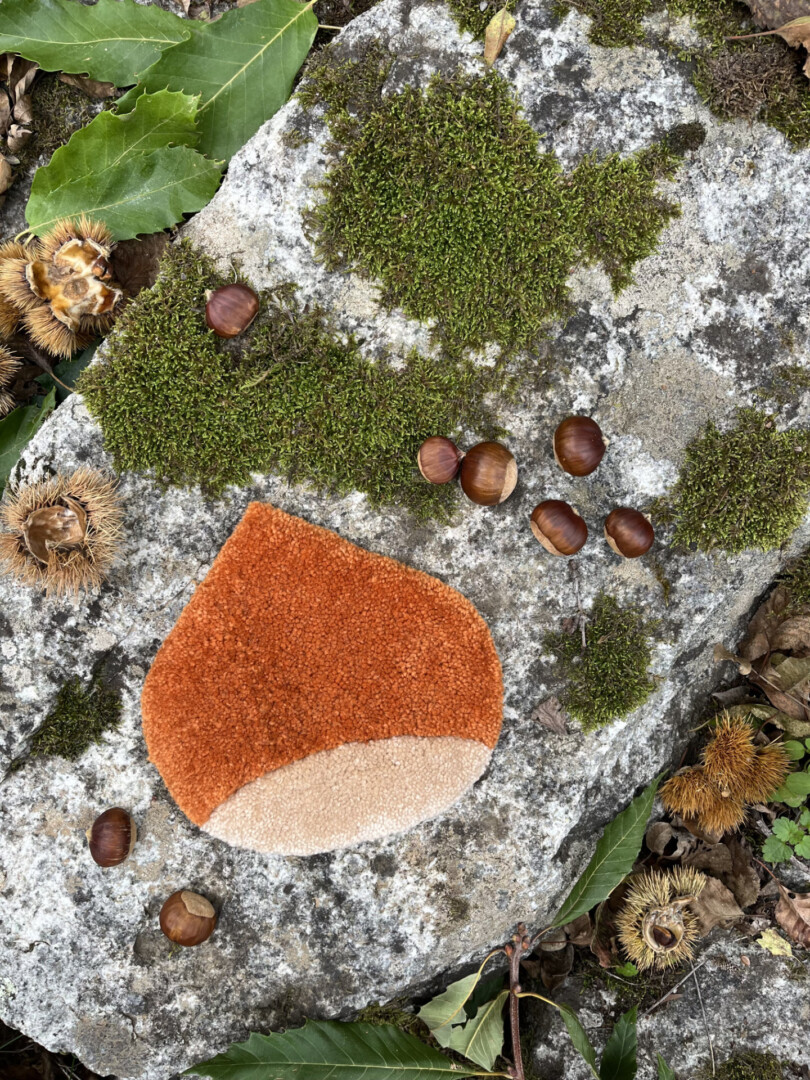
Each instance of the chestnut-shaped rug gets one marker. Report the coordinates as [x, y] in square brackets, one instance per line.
[313, 695]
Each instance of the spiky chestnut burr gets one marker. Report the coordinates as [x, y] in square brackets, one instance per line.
[9, 365]
[729, 756]
[9, 312]
[701, 802]
[771, 767]
[62, 286]
[656, 928]
[61, 534]
[689, 793]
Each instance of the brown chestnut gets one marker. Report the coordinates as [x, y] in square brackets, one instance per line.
[558, 527]
[187, 918]
[438, 459]
[112, 837]
[629, 532]
[231, 309]
[488, 474]
[579, 445]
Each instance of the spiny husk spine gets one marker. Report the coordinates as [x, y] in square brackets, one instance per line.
[67, 570]
[652, 893]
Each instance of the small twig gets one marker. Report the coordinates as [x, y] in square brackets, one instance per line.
[324, 26]
[521, 943]
[672, 989]
[705, 1020]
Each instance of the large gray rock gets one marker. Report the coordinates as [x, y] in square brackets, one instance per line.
[83, 966]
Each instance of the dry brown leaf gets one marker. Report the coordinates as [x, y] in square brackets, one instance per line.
[730, 863]
[766, 620]
[555, 967]
[551, 715]
[668, 842]
[499, 27]
[580, 931]
[737, 695]
[790, 19]
[721, 653]
[793, 915]
[553, 941]
[135, 263]
[715, 906]
[786, 681]
[6, 175]
[772, 13]
[92, 87]
[18, 136]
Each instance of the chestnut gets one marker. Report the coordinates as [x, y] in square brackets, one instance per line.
[629, 532]
[439, 459]
[112, 837]
[558, 527]
[579, 445]
[231, 309]
[187, 918]
[488, 474]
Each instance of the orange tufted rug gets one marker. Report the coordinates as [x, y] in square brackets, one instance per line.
[313, 695]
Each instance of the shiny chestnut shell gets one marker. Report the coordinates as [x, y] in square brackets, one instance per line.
[579, 445]
[558, 527]
[488, 474]
[231, 309]
[628, 532]
[112, 837]
[187, 918]
[439, 459]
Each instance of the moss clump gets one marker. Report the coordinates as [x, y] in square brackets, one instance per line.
[470, 17]
[78, 719]
[743, 488]
[609, 677]
[444, 198]
[57, 111]
[394, 1013]
[749, 1065]
[290, 396]
[615, 22]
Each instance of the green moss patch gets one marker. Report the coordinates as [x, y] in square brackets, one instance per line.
[754, 79]
[748, 1065]
[291, 395]
[444, 198]
[470, 17]
[609, 677]
[747, 487]
[79, 718]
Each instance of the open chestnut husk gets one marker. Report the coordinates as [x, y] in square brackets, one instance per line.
[439, 459]
[558, 527]
[231, 309]
[187, 918]
[488, 474]
[579, 445]
[629, 532]
[112, 837]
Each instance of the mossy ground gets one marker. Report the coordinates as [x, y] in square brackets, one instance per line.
[444, 197]
[57, 111]
[747, 1065]
[470, 17]
[79, 718]
[291, 395]
[609, 677]
[753, 79]
[746, 487]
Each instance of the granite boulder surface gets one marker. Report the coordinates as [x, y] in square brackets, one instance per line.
[83, 965]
